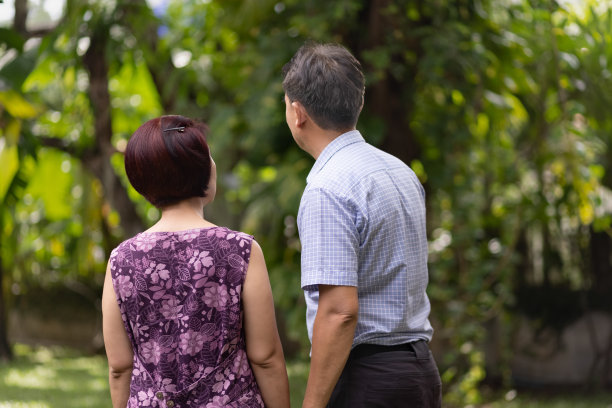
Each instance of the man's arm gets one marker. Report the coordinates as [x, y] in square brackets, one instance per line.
[333, 333]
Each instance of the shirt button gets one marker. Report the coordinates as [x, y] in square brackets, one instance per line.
[170, 404]
[160, 395]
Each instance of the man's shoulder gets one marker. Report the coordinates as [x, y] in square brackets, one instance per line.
[353, 165]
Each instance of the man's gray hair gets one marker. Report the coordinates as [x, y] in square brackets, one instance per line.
[327, 80]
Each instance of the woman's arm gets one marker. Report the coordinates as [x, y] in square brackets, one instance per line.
[263, 344]
[118, 347]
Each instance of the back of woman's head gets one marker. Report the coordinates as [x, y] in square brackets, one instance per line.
[167, 160]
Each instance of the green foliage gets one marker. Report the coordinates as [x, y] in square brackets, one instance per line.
[521, 167]
[499, 106]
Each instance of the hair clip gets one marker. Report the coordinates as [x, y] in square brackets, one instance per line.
[180, 129]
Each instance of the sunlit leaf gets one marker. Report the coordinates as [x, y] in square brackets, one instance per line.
[51, 183]
[10, 162]
[17, 105]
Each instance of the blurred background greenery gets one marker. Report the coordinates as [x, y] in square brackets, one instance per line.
[500, 107]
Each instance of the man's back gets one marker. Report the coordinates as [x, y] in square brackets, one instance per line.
[382, 203]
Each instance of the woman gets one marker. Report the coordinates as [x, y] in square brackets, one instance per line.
[188, 315]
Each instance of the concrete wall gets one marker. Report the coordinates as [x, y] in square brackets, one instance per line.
[580, 354]
[57, 318]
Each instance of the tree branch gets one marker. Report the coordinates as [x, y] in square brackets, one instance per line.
[21, 15]
[20, 19]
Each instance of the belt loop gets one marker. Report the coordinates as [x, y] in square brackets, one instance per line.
[421, 350]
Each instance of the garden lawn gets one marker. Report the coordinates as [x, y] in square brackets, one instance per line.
[53, 377]
[46, 377]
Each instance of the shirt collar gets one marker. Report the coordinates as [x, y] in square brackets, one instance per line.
[345, 139]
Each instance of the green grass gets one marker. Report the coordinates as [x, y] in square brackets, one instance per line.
[550, 399]
[298, 375]
[53, 377]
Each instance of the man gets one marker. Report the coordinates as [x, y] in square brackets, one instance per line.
[364, 247]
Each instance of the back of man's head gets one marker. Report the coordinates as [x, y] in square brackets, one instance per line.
[327, 80]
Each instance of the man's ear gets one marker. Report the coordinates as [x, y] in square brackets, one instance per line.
[301, 116]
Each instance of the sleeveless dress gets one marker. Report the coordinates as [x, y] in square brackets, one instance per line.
[179, 294]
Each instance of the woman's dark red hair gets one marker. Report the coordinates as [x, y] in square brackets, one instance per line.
[167, 160]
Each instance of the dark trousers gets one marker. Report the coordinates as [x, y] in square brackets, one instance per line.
[389, 376]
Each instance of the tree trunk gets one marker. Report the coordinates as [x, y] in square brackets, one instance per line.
[391, 97]
[98, 161]
[20, 17]
[6, 353]
[601, 265]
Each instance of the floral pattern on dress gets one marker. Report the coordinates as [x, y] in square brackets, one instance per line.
[180, 299]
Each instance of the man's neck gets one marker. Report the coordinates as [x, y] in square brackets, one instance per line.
[321, 139]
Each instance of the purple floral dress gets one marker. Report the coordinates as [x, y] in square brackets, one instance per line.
[180, 298]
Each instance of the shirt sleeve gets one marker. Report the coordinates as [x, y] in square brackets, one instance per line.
[329, 238]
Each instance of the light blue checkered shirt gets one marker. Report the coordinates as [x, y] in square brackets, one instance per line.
[362, 223]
